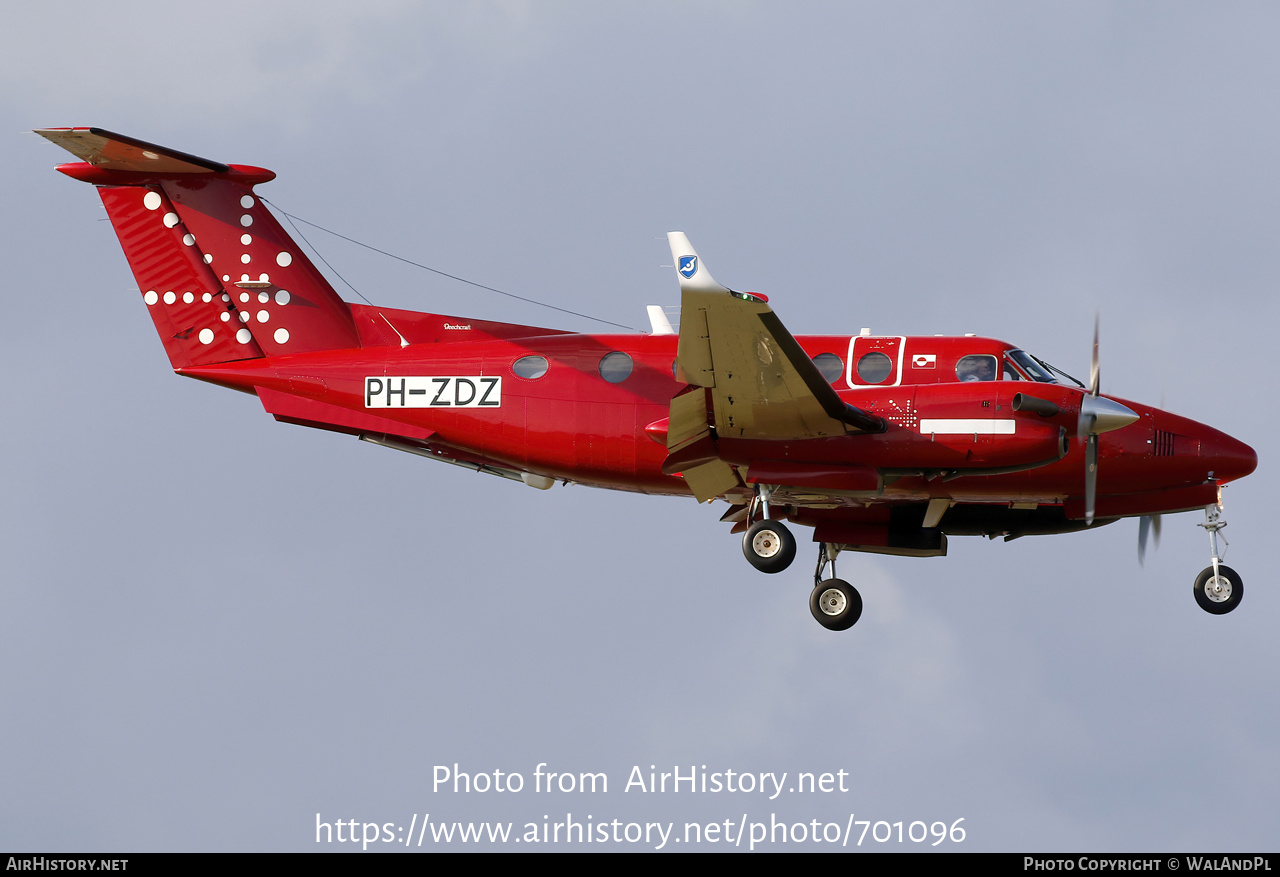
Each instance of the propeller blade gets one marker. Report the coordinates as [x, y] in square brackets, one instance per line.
[1148, 525]
[1095, 371]
[1090, 478]
[1098, 414]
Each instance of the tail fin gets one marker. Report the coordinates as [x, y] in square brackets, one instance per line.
[220, 277]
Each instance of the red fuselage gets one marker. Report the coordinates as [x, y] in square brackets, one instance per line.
[572, 424]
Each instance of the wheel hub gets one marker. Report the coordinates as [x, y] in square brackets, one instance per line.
[766, 544]
[1218, 589]
[832, 602]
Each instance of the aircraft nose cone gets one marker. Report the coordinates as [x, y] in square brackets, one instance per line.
[1231, 458]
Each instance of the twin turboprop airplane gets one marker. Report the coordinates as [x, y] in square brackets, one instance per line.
[885, 444]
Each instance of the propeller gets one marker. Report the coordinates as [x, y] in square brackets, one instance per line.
[1147, 525]
[1098, 414]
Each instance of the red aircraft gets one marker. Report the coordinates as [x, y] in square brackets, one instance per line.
[885, 444]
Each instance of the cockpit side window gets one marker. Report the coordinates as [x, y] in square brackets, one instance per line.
[1030, 367]
[976, 367]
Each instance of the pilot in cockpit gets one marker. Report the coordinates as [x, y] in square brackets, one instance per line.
[976, 367]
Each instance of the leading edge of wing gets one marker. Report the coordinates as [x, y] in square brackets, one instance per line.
[763, 384]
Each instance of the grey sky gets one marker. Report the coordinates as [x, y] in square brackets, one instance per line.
[214, 626]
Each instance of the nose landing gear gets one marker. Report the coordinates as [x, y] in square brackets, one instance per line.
[1218, 588]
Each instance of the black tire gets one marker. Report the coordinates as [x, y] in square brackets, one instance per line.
[836, 604]
[769, 546]
[1221, 599]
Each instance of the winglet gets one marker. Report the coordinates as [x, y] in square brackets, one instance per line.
[693, 275]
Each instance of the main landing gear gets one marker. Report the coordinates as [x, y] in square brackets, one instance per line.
[1218, 588]
[770, 547]
[835, 603]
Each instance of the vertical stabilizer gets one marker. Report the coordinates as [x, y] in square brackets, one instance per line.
[219, 276]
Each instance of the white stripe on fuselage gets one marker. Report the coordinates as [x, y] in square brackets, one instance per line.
[962, 426]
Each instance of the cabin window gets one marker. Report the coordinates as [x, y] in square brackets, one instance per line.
[615, 367]
[831, 366]
[874, 367]
[530, 367]
[976, 367]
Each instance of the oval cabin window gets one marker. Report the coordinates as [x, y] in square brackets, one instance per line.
[615, 367]
[530, 367]
[874, 367]
[831, 366]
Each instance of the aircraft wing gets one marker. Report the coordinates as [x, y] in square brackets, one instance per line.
[756, 380]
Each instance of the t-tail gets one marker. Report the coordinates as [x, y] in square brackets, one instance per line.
[219, 276]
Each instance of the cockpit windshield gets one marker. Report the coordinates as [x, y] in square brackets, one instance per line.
[1038, 369]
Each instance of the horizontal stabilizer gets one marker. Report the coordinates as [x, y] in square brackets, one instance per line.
[117, 152]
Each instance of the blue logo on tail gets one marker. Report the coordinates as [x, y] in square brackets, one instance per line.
[688, 266]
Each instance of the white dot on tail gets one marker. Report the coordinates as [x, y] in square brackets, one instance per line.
[244, 296]
[282, 297]
[284, 260]
[188, 239]
[208, 258]
[188, 297]
[225, 297]
[244, 259]
[282, 335]
[246, 239]
[264, 297]
[150, 297]
[206, 298]
[246, 202]
[244, 336]
[152, 200]
[246, 220]
[169, 298]
[263, 316]
[244, 316]
[226, 317]
[170, 220]
[206, 335]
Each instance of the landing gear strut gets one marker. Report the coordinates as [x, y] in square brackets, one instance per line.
[835, 604]
[1219, 588]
